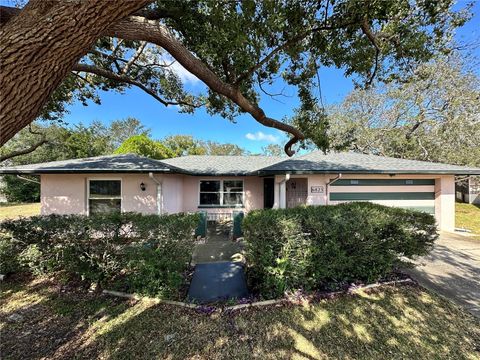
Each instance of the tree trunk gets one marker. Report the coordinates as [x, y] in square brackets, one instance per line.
[40, 45]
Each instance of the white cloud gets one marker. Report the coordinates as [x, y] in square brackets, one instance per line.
[260, 136]
[185, 75]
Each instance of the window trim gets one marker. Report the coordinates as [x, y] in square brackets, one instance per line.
[221, 205]
[105, 179]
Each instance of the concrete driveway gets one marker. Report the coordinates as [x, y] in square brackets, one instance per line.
[452, 269]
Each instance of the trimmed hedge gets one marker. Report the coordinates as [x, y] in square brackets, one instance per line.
[322, 247]
[142, 253]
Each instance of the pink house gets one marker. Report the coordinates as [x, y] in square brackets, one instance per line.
[220, 185]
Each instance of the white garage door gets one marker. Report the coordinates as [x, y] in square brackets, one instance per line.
[417, 194]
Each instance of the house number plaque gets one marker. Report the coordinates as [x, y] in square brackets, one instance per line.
[316, 189]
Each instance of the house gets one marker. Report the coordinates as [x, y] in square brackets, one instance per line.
[468, 189]
[220, 185]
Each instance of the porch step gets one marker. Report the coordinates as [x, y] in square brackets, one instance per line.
[217, 281]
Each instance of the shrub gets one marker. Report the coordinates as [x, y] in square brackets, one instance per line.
[106, 248]
[8, 255]
[35, 260]
[323, 246]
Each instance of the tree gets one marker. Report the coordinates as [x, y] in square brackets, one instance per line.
[432, 116]
[236, 49]
[272, 150]
[61, 143]
[215, 148]
[121, 130]
[56, 141]
[144, 146]
[182, 145]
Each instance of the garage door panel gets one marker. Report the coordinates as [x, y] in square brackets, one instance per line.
[367, 196]
[416, 194]
[384, 182]
[374, 189]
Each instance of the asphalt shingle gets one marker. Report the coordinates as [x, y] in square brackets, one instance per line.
[99, 164]
[349, 162]
[222, 165]
[315, 162]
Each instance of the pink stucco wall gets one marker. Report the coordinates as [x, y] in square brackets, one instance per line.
[67, 193]
[62, 194]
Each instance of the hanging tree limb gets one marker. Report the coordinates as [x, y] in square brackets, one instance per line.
[139, 28]
[126, 79]
[28, 150]
[371, 37]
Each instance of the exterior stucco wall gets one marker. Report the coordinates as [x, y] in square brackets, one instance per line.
[445, 202]
[67, 193]
[62, 194]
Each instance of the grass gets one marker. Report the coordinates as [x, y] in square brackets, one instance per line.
[11, 211]
[405, 322]
[468, 216]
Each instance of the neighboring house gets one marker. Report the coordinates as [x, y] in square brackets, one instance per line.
[468, 189]
[223, 184]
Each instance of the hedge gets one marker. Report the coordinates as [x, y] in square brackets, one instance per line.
[140, 253]
[323, 247]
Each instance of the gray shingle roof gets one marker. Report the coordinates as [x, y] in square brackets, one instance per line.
[348, 162]
[315, 162]
[222, 165]
[99, 164]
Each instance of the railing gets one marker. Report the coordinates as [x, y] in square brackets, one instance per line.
[219, 216]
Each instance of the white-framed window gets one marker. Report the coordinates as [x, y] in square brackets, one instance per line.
[221, 193]
[104, 196]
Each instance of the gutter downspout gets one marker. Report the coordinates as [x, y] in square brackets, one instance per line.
[327, 200]
[159, 193]
[283, 182]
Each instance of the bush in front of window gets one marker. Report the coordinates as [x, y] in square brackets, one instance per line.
[327, 247]
[139, 253]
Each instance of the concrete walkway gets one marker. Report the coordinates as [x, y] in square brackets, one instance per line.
[452, 269]
[218, 246]
[218, 281]
[219, 273]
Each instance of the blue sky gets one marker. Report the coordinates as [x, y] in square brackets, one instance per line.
[246, 132]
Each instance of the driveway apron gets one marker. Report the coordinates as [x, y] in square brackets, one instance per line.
[452, 269]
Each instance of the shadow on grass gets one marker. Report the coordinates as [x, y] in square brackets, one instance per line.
[404, 322]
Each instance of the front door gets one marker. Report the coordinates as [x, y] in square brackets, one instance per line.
[297, 192]
[268, 193]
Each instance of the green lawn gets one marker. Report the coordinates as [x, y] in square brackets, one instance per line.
[404, 323]
[468, 216]
[15, 210]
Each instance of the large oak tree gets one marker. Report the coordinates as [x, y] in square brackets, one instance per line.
[57, 51]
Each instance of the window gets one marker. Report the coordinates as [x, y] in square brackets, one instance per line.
[104, 196]
[221, 192]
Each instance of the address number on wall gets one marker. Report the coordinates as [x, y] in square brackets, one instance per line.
[316, 189]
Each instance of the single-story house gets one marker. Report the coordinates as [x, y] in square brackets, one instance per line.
[223, 184]
[468, 189]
